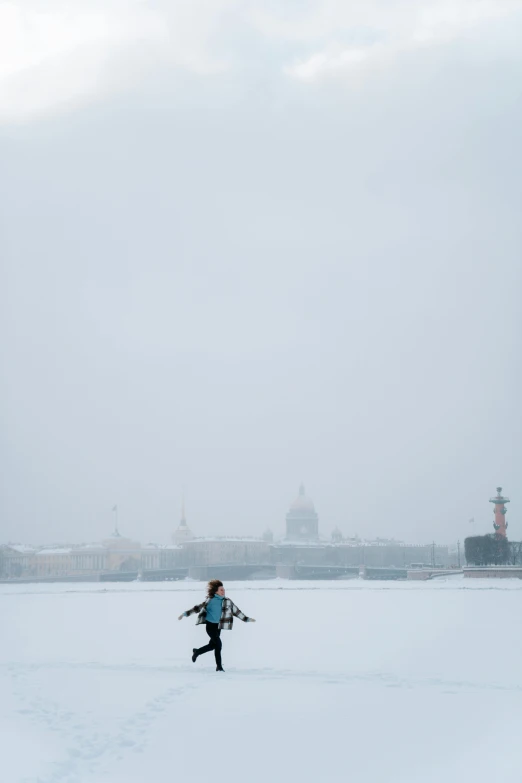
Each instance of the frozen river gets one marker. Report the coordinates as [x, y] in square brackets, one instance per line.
[337, 681]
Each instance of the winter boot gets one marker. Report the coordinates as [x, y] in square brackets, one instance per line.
[194, 654]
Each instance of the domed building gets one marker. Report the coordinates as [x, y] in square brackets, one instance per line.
[302, 522]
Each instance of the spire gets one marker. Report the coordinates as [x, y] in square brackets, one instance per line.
[116, 533]
[183, 532]
[302, 489]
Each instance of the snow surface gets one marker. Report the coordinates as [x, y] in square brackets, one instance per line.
[351, 680]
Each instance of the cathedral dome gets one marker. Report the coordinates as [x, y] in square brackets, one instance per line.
[302, 503]
[302, 522]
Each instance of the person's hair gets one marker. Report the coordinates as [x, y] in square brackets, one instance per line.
[213, 587]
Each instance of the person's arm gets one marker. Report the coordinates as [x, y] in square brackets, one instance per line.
[194, 609]
[236, 611]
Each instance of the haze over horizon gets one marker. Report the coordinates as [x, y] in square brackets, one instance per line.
[243, 247]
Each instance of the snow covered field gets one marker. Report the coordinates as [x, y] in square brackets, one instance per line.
[337, 681]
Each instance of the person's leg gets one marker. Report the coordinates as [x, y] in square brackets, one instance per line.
[211, 629]
[214, 633]
[217, 650]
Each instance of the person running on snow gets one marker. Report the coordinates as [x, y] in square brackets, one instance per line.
[217, 613]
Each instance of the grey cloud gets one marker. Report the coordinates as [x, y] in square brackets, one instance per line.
[239, 283]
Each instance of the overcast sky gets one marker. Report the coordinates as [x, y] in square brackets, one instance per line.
[248, 244]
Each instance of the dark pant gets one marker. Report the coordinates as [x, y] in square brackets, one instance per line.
[214, 632]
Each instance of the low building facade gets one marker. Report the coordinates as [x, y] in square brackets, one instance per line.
[115, 554]
[226, 551]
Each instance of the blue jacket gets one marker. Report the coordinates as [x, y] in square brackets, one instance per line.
[215, 609]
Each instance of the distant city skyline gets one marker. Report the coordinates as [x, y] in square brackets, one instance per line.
[278, 530]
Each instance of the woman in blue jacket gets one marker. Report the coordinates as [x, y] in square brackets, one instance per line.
[217, 614]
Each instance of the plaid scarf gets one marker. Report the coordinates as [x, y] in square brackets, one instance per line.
[228, 612]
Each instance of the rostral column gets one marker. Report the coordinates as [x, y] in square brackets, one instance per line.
[500, 511]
